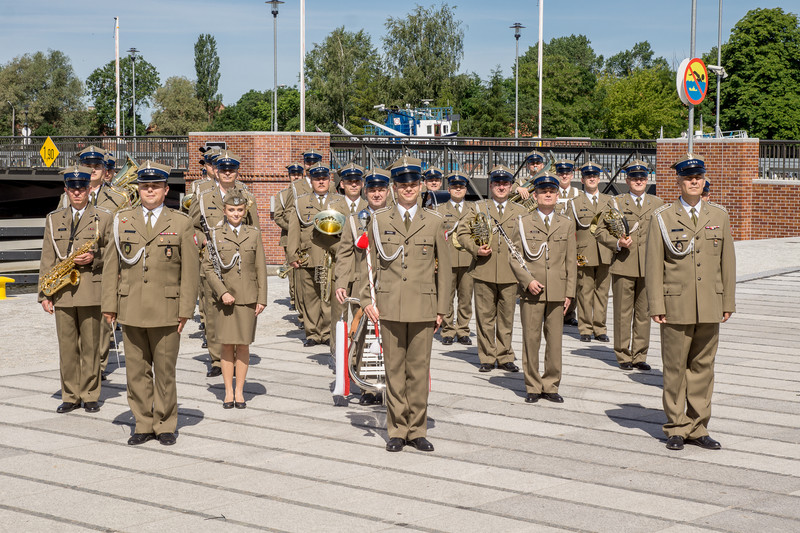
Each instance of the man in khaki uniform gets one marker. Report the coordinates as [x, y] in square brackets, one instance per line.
[534, 162]
[433, 179]
[101, 192]
[76, 307]
[565, 172]
[351, 261]
[406, 241]
[350, 180]
[457, 212]
[593, 278]
[305, 239]
[631, 318]
[150, 286]
[691, 284]
[495, 286]
[284, 205]
[546, 242]
[208, 208]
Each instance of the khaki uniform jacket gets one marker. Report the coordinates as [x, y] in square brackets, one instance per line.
[360, 205]
[203, 184]
[405, 287]
[581, 210]
[350, 260]
[629, 261]
[209, 204]
[563, 203]
[556, 268]
[452, 221]
[699, 286]
[494, 268]
[161, 285]
[108, 197]
[283, 207]
[246, 279]
[303, 236]
[55, 246]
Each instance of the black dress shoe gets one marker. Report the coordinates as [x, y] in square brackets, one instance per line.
[532, 397]
[570, 322]
[465, 340]
[214, 372]
[626, 366]
[202, 326]
[421, 443]
[140, 438]
[602, 337]
[309, 343]
[705, 442]
[66, 407]
[227, 405]
[586, 338]
[91, 407]
[326, 342]
[240, 405]
[447, 341]
[379, 398]
[641, 366]
[552, 397]
[205, 344]
[167, 439]
[103, 376]
[508, 367]
[395, 444]
[367, 398]
[486, 367]
[675, 442]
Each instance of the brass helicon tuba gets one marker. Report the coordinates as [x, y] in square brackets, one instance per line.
[126, 180]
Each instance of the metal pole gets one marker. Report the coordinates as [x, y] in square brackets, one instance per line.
[302, 66]
[691, 55]
[516, 26]
[717, 129]
[541, 29]
[275, 68]
[116, 72]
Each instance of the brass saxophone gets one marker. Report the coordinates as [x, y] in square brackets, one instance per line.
[65, 273]
[323, 276]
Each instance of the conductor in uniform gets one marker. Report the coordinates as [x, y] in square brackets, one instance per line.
[691, 283]
[150, 287]
[406, 241]
[77, 307]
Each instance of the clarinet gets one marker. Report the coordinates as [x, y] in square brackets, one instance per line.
[212, 247]
[511, 248]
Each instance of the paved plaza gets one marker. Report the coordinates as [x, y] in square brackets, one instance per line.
[293, 461]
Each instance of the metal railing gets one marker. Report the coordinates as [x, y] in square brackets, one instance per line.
[779, 160]
[23, 152]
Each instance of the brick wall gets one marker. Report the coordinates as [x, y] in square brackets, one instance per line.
[758, 209]
[264, 156]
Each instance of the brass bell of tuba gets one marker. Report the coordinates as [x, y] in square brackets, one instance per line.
[126, 180]
[329, 222]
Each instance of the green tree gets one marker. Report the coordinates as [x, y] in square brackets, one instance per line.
[253, 112]
[102, 88]
[423, 51]
[343, 73]
[639, 57]
[489, 111]
[206, 66]
[762, 57]
[177, 110]
[47, 85]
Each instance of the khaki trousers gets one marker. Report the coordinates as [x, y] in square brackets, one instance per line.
[104, 343]
[316, 313]
[407, 358]
[631, 319]
[535, 317]
[207, 299]
[78, 330]
[495, 305]
[687, 354]
[462, 286]
[150, 357]
[593, 285]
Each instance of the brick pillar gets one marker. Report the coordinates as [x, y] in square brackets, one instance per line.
[264, 157]
[732, 169]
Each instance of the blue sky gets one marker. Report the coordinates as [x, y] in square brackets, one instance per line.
[165, 31]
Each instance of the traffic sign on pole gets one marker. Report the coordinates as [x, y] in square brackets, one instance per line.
[692, 81]
[49, 152]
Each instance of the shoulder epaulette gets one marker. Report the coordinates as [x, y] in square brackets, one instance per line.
[562, 215]
[431, 211]
[662, 208]
[103, 209]
[211, 190]
[303, 195]
[125, 210]
[382, 210]
[717, 206]
[59, 210]
[220, 223]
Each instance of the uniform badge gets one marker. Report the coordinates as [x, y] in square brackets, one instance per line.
[387, 232]
[679, 246]
[161, 239]
[127, 248]
[716, 243]
[425, 250]
[168, 251]
[124, 220]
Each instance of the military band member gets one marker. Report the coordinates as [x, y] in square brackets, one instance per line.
[310, 158]
[239, 292]
[433, 179]
[209, 208]
[495, 286]
[284, 206]
[406, 241]
[111, 164]
[305, 241]
[706, 191]
[150, 287]
[534, 163]
[101, 193]
[457, 212]
[351, 264]
[547, 283]
[565, 171]
[350, 180]
[593, 278]
[631, 319]
[691, 284]
[77, 307]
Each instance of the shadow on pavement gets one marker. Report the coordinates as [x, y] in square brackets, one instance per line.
[634, 415]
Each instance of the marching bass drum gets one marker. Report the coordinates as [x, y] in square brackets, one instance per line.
[365, 357]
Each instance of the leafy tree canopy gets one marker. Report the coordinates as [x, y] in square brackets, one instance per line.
[206, 66]
[177, 110]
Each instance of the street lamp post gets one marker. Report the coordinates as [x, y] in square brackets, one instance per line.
[516, 27]
[13, 117]
[133, 52]
[275, 4]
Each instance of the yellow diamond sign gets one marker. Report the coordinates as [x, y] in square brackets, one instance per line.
[49, 152]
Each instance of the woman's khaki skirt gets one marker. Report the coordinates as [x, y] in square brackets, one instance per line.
[233, 324]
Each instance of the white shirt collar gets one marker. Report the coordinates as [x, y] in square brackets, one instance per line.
[156, 213]
[411, 211]
[352, 203]
[457, 204]
[548, 218]
[590, 195]
[634, 197]
[80, 213]
[688, 207]
[498, 204]
[235, 228]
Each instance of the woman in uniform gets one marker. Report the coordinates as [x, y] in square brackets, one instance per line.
[237, 273]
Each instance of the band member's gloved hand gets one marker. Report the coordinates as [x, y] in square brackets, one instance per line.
[228, 299]
[341, 295]
[567, 301]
